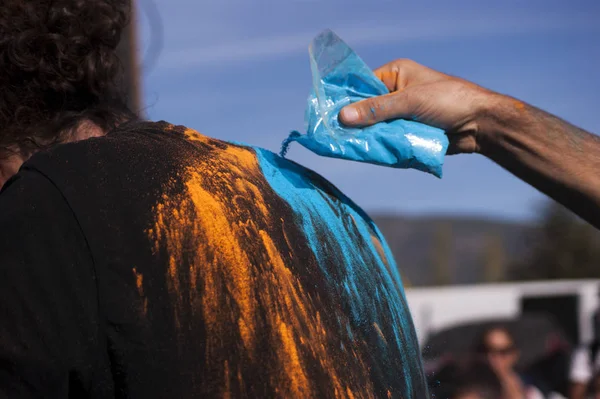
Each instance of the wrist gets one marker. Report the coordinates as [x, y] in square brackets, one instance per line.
[497, 116]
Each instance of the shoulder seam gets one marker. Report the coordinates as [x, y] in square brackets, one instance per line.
[102, 333]
[87, 244]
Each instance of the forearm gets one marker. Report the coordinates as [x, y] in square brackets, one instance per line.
[552, 155]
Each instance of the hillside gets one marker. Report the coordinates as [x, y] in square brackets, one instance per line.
[416, 241]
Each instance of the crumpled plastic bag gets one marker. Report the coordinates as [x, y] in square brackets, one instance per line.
[340, 77]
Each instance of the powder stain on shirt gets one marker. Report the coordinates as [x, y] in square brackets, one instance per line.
[264, 280]
[379, 332]
[368, 267]
[139, 282]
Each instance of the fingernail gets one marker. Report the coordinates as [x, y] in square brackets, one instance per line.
[349, 115]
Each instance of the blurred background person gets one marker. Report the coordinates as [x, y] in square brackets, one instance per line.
[498, 347]
[585, 362]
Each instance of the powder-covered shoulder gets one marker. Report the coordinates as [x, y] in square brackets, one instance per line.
[287, 177]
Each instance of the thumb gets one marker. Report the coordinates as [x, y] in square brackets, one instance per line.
[376, 109]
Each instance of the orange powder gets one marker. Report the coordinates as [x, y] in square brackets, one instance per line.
[379, 332]
[519, 105]
[139, 282]
[225, 267]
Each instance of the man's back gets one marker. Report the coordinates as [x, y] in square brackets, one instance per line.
[162, 263]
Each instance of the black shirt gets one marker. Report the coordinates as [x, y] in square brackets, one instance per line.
[155, 262]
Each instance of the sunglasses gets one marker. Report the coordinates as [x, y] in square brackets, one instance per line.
[509, 350]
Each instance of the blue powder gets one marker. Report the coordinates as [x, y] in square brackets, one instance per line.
[334, 225]
[340, 78]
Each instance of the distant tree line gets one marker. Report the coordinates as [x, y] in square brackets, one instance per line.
[562, 246]
[558, 246]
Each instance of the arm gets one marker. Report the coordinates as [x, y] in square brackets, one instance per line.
[48, 306]
[552, 155]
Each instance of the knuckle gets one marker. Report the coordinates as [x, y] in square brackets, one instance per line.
[377, 109]
[404, 63]
[372, 108]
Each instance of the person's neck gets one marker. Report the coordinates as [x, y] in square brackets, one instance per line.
[10, 165]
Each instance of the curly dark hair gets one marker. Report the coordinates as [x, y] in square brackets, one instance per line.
[59, 68]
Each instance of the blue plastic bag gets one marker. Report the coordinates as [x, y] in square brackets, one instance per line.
[340, 77]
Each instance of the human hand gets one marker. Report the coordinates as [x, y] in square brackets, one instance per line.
[424, 95]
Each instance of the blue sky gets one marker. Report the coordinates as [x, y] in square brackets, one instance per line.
[238, 70]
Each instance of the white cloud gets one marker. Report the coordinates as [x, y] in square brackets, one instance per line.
[414, 30]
